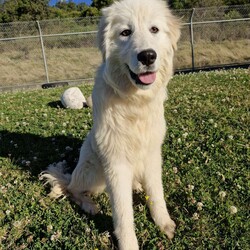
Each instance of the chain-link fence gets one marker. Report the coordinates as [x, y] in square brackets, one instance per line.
[65, 50]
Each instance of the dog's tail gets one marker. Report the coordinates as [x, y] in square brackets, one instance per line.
[59, 180]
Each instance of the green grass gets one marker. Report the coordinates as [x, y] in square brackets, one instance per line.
[206, 152]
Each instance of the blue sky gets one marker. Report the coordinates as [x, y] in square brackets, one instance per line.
[53, 2]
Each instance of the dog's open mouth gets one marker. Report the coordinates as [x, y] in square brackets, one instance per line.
[146, 78]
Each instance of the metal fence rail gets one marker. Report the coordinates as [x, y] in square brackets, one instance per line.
[64, 50]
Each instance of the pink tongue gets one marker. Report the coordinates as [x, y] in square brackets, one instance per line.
[147, 78]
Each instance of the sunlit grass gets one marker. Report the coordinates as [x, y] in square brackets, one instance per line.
[205, 170]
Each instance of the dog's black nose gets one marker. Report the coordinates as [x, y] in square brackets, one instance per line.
[147, 57]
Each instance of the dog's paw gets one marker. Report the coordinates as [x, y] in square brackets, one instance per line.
[86, 203]
[90, 208]
[169, 229]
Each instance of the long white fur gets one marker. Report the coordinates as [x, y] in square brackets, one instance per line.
[123, 149]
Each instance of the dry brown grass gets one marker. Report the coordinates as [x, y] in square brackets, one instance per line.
[20, 67]
[25, 66]
[212, 53]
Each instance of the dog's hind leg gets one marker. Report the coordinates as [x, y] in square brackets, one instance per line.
[152, 184]
[87, 178]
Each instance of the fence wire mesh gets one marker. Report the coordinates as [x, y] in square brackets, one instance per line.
[67, 47]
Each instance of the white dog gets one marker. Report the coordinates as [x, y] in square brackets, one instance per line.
[137, 39]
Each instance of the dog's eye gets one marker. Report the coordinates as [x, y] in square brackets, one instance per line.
[154, 30]
[126, 33]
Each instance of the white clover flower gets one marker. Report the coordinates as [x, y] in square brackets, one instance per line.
[195, 216]
[7, 212]
[222, 176]
[230, 137]
[199, 206]
[64, 124]
[222, 194]
[179, 140]
[185, 135]
[88, 230]
[178, 181]
[68, 148]
[56, 235]
[17, 224]
[175, 170]
[9, 185]
[3, 189]
[211, 120]
[233, 210]
[190, 187]
[141, 208]
[193, 200]
[49, 228]
[105, 237]
[27, 163]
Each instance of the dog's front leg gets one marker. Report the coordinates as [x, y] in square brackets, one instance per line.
[155, 196]
[119, 184]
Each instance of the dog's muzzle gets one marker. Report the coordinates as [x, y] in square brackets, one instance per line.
[146, 58]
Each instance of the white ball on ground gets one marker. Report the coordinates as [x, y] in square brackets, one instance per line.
[73, 98]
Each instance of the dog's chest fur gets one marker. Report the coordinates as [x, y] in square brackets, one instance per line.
[123, 130]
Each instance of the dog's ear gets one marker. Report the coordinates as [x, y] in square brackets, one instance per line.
[102, 34]
[174, 25]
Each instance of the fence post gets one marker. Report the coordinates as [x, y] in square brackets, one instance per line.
[192, 37]
[43, 52]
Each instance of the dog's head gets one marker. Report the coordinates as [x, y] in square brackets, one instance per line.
[137, 39]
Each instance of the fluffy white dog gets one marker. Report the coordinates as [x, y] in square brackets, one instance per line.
[122, 152]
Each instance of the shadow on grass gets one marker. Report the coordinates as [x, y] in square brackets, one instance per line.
[34, 153]
[56, 104]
